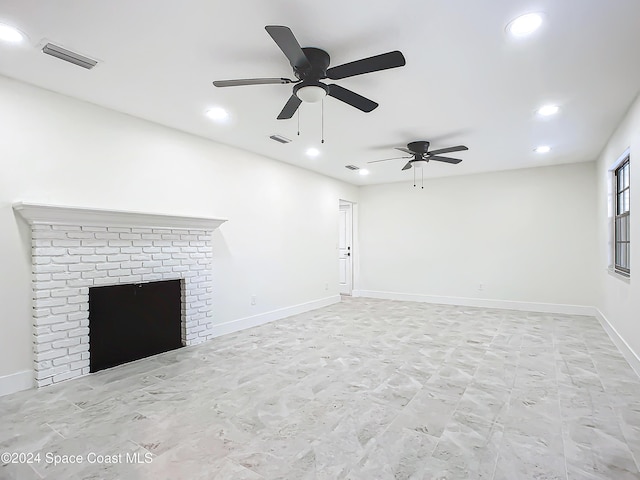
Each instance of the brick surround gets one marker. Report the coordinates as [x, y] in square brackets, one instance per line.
[69, 259]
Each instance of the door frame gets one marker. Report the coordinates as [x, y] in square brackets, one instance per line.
[350, 206]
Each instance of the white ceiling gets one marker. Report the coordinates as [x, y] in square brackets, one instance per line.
[466, 81]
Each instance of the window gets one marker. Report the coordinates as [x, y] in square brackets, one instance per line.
[621, 236]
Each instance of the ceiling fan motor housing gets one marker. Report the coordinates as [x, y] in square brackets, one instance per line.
[420, 147]
[319, 60]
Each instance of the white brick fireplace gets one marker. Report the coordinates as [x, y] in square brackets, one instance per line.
[74, 249]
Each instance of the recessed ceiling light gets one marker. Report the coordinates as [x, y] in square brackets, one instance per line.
[363, 172]
[10, 34]
[313, 152]
[217, 114]
[543, 149]
[525, 24]
[548, 110]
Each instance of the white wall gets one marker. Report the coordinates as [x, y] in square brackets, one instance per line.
[526, 235]
[619, 300]
[279, 243]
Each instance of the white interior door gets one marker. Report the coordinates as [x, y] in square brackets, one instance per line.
[345, 254]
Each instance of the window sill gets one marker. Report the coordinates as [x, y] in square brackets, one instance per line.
[619, 276]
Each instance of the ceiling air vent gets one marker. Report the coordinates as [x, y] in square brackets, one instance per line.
[280, 138]
[352, 167]
[69, 56]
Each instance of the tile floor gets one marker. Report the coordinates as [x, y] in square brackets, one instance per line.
[364, 389]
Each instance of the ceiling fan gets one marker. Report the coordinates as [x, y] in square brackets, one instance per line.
[310, 65]
[422, 155]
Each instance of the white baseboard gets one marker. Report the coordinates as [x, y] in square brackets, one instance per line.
[262, 318]
[482, 302]
[16, 382]
[629, 355]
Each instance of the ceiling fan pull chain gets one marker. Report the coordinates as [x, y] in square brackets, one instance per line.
[423, 177]
[298, 122]
[322, 121]
[414, 177]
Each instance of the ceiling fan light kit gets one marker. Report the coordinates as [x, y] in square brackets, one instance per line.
[310, 93]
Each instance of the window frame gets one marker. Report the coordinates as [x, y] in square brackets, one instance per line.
[621, 213]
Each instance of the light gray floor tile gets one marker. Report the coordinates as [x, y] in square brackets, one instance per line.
[364, 389]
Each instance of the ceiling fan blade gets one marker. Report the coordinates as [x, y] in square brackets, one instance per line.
[445, 159]
[284, 38]
[408, 165]
[386, 159]
[367, 65]
[458, 148]
[405, 150]
[250, 81]
[290, 108]
[352, 98]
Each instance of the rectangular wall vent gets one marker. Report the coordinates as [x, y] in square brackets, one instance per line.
[69, 56]
[280, 138]
[352, 167]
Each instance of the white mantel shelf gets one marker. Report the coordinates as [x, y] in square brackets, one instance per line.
[39, 213]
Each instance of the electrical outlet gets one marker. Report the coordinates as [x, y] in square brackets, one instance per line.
[253, 299]
[480, 287]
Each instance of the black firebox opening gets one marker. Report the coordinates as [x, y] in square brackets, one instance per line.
[129, 322]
